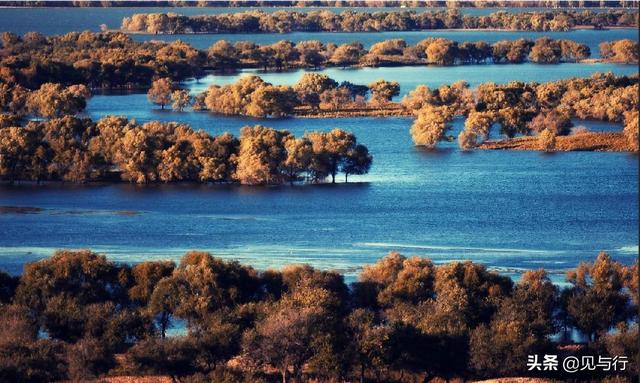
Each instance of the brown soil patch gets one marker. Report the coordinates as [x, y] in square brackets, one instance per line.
[596, 142]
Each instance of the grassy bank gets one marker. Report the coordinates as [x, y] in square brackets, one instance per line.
[597, 142]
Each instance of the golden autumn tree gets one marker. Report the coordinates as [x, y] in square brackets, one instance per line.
[54, 100]
[383, 91]
[330, 151]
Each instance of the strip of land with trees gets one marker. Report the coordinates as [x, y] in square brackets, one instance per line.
[354, 21]
[404, 319]
[114, 60]
[519, 108]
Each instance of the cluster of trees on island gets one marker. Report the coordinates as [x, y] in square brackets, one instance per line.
[252, 96]
[518, 108]
[79, 316]
[79, 150]
[113, 60]
[354, 21]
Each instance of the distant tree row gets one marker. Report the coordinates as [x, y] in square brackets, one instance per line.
[329, 3]
[623, 51]
[523, 108]
[79, 150]
[353, 21]
[98, 60]
[404, 320]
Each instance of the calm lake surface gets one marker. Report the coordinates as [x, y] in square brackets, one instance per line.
[510, 210]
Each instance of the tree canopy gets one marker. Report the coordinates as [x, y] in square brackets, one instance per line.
[403, 319]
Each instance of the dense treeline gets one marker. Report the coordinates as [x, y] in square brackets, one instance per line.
[79, 316]
[98, 60]
[519, 108]
[79, 150]
[327, 3]
[352, 21]
[252, 96]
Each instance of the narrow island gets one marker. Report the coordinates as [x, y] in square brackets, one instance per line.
[354, 21]
[115, 61]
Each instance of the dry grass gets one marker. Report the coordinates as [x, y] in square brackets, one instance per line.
[392, 110]
[597, 142]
